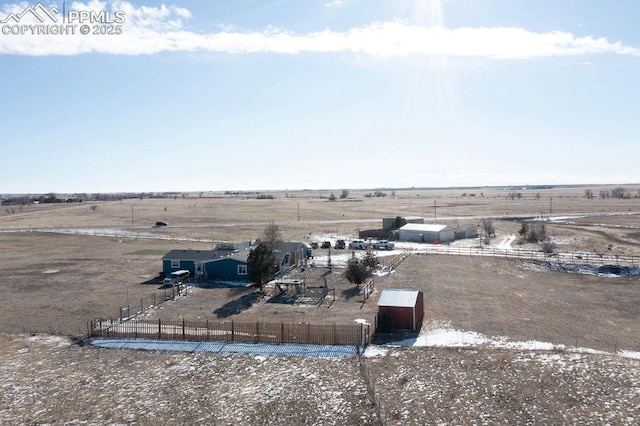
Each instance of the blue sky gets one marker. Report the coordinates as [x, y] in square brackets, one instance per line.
[286, 94]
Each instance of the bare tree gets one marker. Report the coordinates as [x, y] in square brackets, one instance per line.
[537, 232]
[588, 194]
[272, 235]
[618, 192]
[604, 194]
[548, 246]
[344, 193]
[488, 227]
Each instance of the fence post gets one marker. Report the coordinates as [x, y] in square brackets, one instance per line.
[308, 335]
[159, 329]
[257, 332]
[233, 335]
[334, 333]
[207, 330]
[141, 306]
[183, 330]
[281, 332]
[121, 314]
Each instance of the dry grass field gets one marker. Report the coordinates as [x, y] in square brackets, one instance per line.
[63, 265]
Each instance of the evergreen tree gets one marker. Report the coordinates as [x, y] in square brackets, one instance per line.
[261, 265]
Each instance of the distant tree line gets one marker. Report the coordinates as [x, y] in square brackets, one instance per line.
[375, 194]
[619, 193]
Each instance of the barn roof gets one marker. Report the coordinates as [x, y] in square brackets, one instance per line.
[400, 298]
[425, 227]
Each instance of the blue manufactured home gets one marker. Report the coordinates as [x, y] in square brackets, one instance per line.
[230, 268]
[209, 265]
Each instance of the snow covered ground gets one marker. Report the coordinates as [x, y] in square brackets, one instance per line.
[48, 380]
[447, 337]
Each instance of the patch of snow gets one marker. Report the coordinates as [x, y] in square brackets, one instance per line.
[373, 351]
[51, 271]
[629, 354]
[445, 336]
[361, 321]
[49, 340]
[506, 242]
[233, 283]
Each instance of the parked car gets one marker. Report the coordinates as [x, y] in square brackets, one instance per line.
[359, 244]
[383, 245]
[326, 244]
[314, 244]
[160, 224]
[177, 277]
[340, 244]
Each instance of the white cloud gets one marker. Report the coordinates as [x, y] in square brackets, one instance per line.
[334, 3]
[149, 30]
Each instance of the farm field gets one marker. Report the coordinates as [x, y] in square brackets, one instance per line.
[63, 265]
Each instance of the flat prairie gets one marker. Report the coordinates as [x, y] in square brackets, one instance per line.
[65, 264]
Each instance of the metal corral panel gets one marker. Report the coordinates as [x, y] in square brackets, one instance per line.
[319, 351]
[398, 298]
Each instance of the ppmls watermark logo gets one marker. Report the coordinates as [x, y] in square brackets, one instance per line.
[40, 20]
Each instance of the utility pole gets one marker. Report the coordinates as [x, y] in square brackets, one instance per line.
[550, 206]
[131, 214]
[435, 211]
[298, 212]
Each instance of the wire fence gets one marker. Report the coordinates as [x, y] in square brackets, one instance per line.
[133, 309]
[234, 331]
[371, 389]
[568, 257]
[397, 260]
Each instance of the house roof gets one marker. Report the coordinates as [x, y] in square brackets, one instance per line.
[239, 256]
[288, 246]
[425, 227]
[400, 298]
[206, 255]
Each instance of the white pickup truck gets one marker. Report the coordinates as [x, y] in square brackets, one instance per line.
[383, 245]
[359, 244]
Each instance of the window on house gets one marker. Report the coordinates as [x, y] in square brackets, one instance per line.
[175, 263]
[242, 269]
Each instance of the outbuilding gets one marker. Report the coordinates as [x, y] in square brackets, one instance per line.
[425, 233]
[387, 222]
[400, 309]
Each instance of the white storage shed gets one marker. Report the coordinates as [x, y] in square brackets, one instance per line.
[424, 233]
